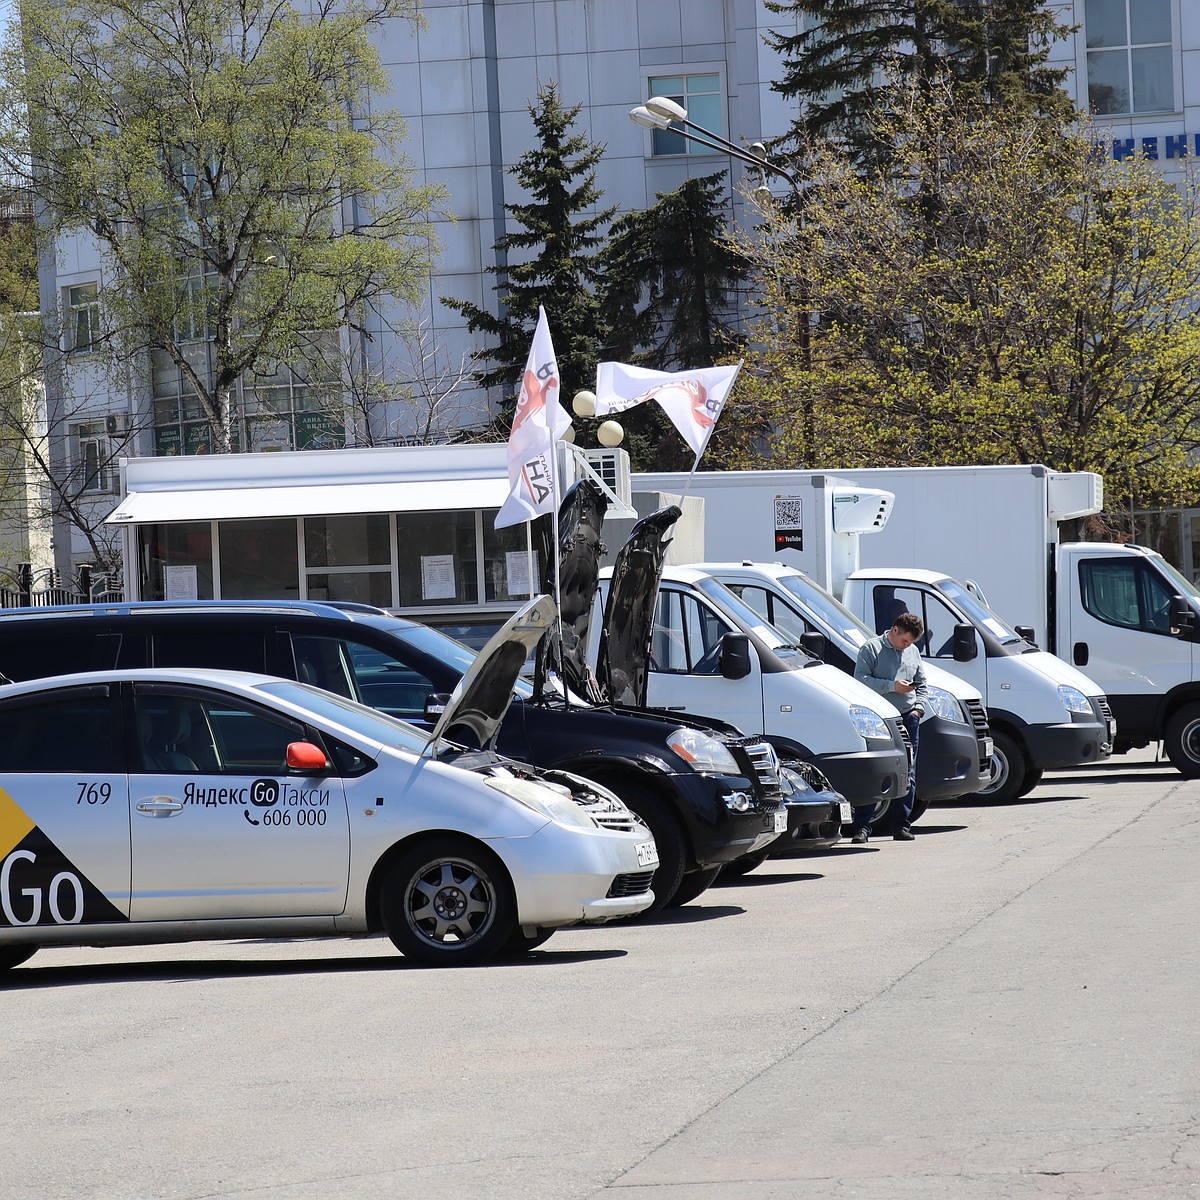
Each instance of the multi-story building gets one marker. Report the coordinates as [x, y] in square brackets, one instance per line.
[465, 83]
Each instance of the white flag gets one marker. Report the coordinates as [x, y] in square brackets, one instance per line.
[692, 399]
[538, 422]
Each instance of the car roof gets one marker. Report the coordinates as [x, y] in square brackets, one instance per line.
[356, 614]
[233, 679]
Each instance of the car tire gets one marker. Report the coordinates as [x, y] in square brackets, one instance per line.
[520, 944]
[448, 902]
[693, 884]
[1182, 741]
[1009, 770]
[919, 809]
[743, 866]
[668, 837]
[14, 956]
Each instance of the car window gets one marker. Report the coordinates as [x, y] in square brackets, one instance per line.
[67, 734]
[210, 736]
[686, 635]
[221, 649]
[360, 672]
[1121, 592]
[325, 662]
[35, 652]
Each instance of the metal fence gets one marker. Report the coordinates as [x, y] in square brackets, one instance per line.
[30, 588]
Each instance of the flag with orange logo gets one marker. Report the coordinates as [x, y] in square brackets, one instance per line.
[692, 399]
[538, 422]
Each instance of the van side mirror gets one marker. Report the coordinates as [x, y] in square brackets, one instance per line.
[1026, 632]
[814, 643]
[1183, 617]
[735, 656]
[964, 644]
[435, 706]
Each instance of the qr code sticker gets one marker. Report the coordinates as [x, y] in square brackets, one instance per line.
[788, 514]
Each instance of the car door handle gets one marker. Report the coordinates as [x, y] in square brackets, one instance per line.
[160, 806]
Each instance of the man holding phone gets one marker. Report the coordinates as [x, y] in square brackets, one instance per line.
[890, 664]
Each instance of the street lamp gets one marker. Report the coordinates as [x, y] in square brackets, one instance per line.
[661, 112]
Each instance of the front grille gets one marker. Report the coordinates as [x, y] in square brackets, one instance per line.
[624, 822]
[761, 764]
[1101, 702]
[635, 883]
[979, 720]
[897, 727]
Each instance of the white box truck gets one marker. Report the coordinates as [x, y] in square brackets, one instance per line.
[996, 527]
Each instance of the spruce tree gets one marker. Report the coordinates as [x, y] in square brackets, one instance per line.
[671, 280]
[851, 53]
[552, 256]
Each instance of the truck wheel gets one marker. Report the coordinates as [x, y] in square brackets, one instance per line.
[1032, 778]
[1182, 741]
[668, 837]
[1009, 769]
[692, 884]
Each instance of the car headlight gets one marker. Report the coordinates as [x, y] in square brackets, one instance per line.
[704, 752]
[1073, 699]
[869, 724]
[544, 799]
[940, 703]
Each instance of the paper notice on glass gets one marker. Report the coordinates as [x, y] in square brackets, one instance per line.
[516, 564]
[181, 583]
[437, 577]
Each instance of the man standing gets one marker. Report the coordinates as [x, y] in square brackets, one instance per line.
[891, 665]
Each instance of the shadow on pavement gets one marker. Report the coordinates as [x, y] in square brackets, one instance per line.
[31, 976]
[754, 879]
[687, 914]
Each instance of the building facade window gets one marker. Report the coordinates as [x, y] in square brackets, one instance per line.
[701, 95]
[92, 457]
[1130, 56]
[82, 303]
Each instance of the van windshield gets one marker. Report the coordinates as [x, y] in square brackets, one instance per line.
[977, 612]
[838, 620]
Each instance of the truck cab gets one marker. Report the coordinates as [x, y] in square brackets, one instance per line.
[1043, 712]
[956, 744]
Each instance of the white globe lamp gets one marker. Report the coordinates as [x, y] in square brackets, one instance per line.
[584, 404]
[610, 434]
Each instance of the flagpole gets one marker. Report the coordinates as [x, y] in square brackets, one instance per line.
[562, 674]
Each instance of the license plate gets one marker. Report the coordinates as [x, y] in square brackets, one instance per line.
[847, 813]
[988, 747]
[781, 820]
[647, 854]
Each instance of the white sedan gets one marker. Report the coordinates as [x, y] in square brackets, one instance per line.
[171, 805]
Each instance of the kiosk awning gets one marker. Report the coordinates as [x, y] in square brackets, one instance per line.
[154, 507]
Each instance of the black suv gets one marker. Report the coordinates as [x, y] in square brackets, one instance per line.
[708, 794]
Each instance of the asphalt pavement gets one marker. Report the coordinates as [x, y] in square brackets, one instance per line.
[1001, 1008]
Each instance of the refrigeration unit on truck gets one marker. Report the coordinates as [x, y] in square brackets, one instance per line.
[1043, 713]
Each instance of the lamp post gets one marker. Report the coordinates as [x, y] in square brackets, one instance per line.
[661, 112]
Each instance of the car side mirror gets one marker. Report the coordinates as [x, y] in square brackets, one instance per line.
[435, 706]
[735, 656]
[304, 756]
[963, 643]
[814, 643]
[1026, 632]
[1183, 616]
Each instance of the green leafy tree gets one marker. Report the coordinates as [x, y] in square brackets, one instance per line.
[551, 254]
[1043, 313]
[250, 200]
[851, 55]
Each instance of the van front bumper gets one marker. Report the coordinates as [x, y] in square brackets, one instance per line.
[948, 760]
[868, 776]
[1071, 744]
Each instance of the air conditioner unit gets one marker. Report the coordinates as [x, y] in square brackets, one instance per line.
[613, 468]
[114, 424]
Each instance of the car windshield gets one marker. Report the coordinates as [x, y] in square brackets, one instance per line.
[1183, 584]
[837, 619]
[452, 652]
[751, 621]
[976, 611]
[369, 722]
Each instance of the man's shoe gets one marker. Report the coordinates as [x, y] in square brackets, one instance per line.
[903, 835]
[861, 836]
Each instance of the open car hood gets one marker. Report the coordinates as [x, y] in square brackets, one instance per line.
[478, 704]
[624, 653]
[580, 522]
